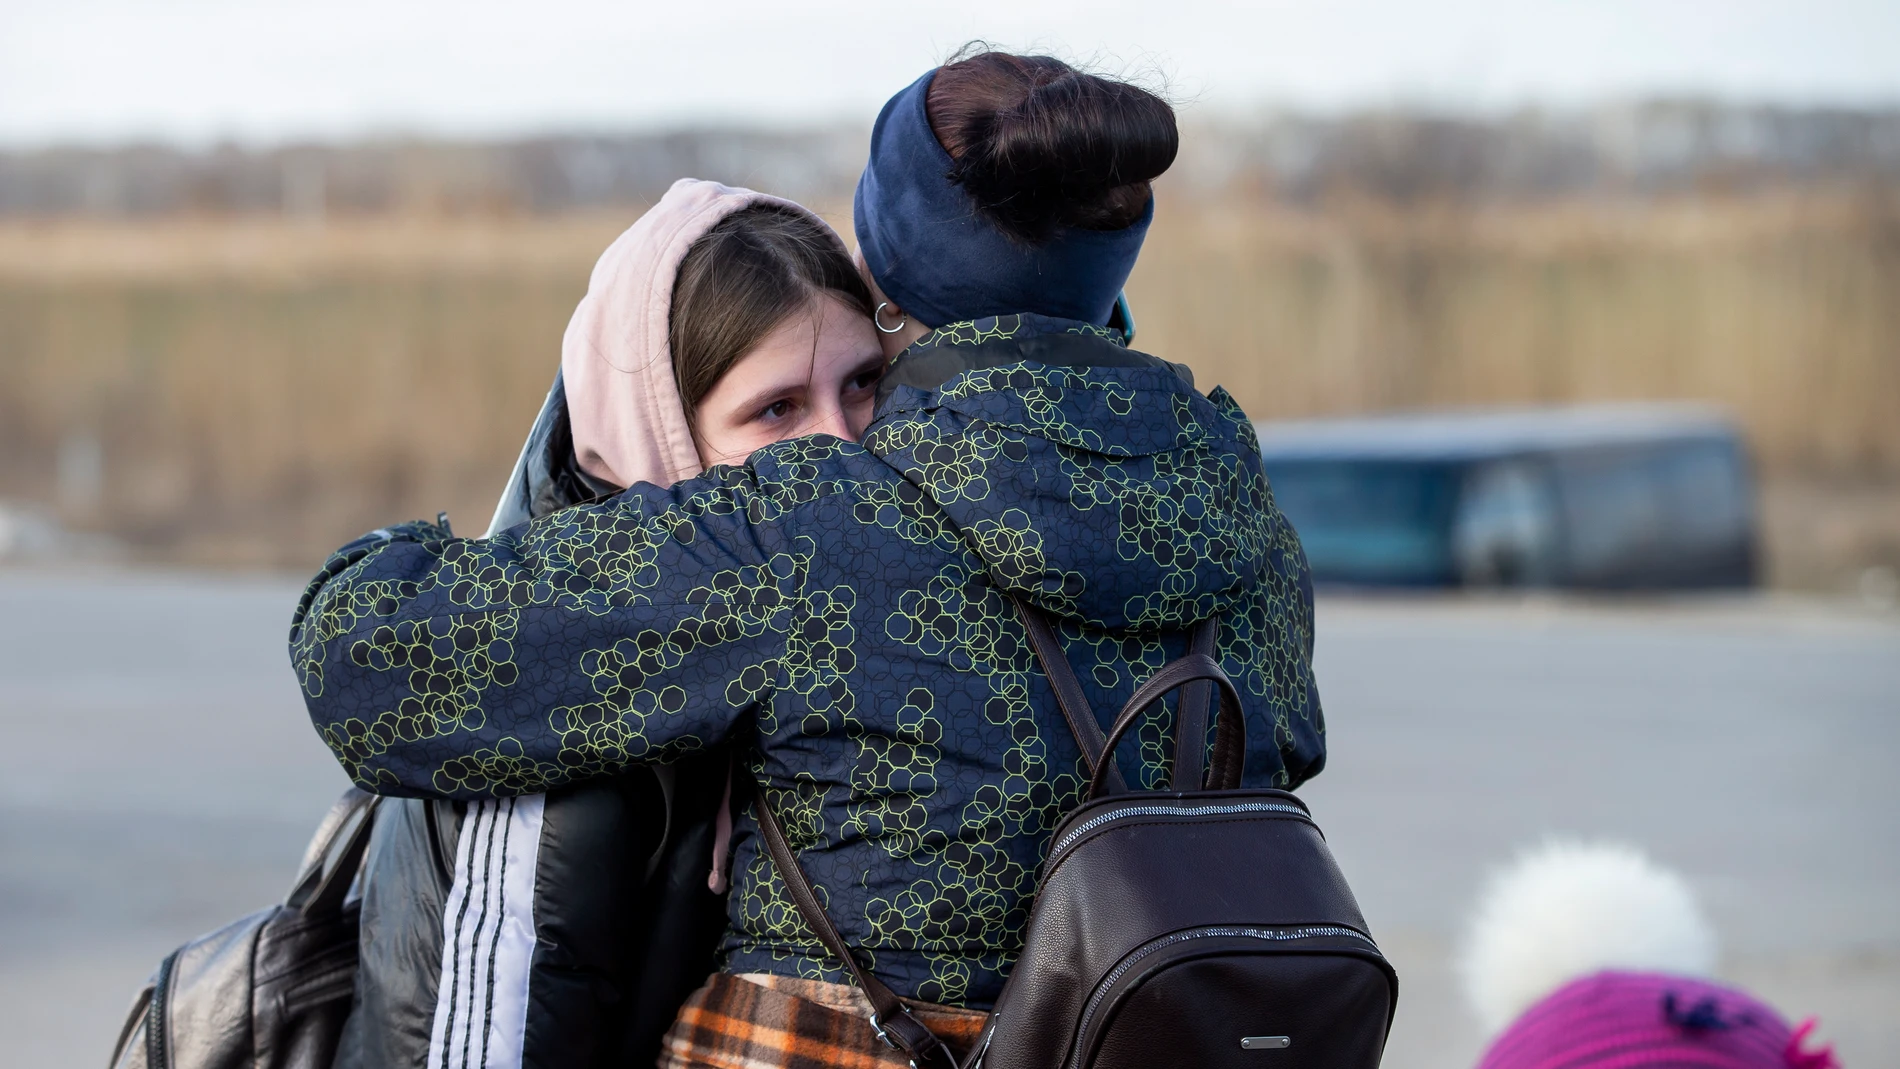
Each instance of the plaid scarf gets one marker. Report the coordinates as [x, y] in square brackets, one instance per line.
[763, 1021]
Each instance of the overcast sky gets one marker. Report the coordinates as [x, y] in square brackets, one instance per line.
[264, 70]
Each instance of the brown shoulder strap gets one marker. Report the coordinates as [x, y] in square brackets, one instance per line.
[1069, 695]
[1190, 738]
[1190, 731]
[1230, 731]
[889, 1016]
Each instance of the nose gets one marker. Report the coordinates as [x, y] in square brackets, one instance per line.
[831, 420]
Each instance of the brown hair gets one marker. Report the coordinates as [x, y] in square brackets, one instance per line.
[1041, 145]
[751, 272]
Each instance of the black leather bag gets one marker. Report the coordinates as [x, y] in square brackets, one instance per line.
[269, 991]
[1204, 926]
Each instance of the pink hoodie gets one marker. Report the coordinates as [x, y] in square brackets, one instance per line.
[624, 405]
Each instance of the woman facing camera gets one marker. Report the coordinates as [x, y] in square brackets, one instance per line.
[721, 321]
[845, 611]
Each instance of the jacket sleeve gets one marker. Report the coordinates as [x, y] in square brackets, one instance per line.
[631, 630]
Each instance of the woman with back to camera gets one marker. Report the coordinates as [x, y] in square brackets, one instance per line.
[844, 609]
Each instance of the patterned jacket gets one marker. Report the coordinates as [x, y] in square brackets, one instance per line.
[840, 607]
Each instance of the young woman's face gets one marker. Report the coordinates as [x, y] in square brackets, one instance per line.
[816, 373]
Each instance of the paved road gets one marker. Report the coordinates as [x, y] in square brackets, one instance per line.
[1750, 745]
[157, 779]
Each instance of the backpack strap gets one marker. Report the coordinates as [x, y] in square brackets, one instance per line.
[334, 855]
[1190, 737]
[1069, 695]
[890, 1016]
[1230, 730]
[1190, 732]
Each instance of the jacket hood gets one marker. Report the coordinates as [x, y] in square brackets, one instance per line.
[1177, 518]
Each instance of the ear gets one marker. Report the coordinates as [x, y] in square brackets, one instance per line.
[893, 342]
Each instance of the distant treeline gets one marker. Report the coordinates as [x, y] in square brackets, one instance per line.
[1656, 148]
[534, 175]
[1643, 149]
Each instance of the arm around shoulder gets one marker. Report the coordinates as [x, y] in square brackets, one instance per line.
[603, 635]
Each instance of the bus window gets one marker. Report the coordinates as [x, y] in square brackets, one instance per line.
[1506, 530]
[1708, 495]
[1383, 523]
[1672, 513]
[1615, 514]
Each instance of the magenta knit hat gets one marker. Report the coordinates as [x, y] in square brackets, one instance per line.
[1622, 1020]
[1592, 956]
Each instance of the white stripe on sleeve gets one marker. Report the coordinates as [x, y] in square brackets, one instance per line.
[488, 940]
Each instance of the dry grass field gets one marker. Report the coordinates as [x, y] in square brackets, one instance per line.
[1785, 309]
[256, 391]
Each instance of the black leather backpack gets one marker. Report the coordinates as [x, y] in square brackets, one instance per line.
[269, 991]
[1206, 926]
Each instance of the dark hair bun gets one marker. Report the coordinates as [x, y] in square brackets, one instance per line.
[1041, 145]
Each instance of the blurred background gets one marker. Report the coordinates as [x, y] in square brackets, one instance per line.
[275, 274]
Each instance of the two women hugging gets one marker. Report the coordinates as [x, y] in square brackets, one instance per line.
[827, 476]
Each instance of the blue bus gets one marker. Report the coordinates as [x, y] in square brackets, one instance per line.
[1628, 496]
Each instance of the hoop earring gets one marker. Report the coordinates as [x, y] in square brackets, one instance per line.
[877, 319]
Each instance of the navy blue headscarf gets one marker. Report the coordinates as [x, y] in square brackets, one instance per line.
[942, 261]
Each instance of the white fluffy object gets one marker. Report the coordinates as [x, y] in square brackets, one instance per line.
[1564, 910]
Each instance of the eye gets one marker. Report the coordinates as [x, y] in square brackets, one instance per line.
[867, 378]
[776, 410]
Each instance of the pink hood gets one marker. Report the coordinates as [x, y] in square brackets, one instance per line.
[622, 400]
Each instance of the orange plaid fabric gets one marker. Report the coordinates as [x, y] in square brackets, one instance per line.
[759, 1021]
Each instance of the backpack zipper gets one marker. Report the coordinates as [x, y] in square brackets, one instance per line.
[1134, 958]
[1167, 810]
[158, 1015]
